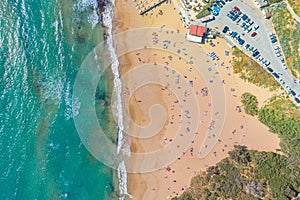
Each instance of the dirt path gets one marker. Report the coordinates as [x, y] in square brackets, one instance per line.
[290, 9]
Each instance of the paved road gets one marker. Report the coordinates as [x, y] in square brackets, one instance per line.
[261, 41]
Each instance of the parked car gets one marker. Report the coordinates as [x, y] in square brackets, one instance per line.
[253, 34]
[226, 28]
[297, 100]
[247, 46]
[236, 8]
[222, 2]
[275, 74]
[270, 69]
[233, 34]
[288, 88]
[241, 41]
[282, 81]
[256, 27]
[256, 54]
[284, 66]
[293, 92]
[244, 17]
[282, 59]
[257, 57]
[267, 63]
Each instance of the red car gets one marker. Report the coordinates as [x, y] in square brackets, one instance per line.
[236, 8]
[253, 34]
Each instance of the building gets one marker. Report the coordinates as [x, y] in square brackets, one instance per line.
[196, 33]
[267, 13]
[199, 31]
[207, 18]
[262, 3]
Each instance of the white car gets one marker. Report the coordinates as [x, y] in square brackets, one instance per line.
[284, 66]
[288, 88]
[267, 63]
[282, 81]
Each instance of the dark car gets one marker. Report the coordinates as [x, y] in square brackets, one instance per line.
[270, 69]
[222, 2]
[293, 92]
[297, 100]
[255, 53]
[275, 74]
[226, 28]
[244, 17]
[241, 41]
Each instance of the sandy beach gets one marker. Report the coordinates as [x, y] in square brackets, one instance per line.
[238, 128]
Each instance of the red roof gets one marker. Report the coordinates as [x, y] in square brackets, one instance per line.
[201, 31]
[193, 30]
[268, 15]
[197, 30]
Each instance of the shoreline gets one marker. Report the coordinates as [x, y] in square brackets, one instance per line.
[107, 19]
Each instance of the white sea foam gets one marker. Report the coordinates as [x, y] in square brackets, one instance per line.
[93, 18]
[72, 104]
[84, 5]
[52, 88]
[107, 17]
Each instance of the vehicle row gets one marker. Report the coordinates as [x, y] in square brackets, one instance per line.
[272, 37]
[236, 15]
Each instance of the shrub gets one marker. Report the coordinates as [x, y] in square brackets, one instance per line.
[250, 103]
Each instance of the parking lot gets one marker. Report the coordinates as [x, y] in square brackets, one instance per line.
[241, 20]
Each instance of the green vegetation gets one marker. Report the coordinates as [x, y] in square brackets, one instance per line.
[273, 1]
[249, 174]
[287, 29]
[251, 71]
[246, 175]
[204, 11]
[295, 5]
[250, 103]
[282, 117]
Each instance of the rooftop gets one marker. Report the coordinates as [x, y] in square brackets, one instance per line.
[197, 30]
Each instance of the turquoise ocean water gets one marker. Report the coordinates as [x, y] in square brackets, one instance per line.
[42, 44]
